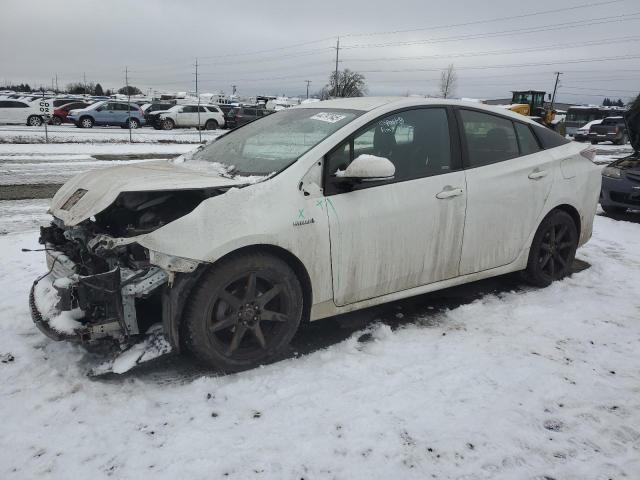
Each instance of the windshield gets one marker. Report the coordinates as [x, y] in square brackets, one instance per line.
[274, 142]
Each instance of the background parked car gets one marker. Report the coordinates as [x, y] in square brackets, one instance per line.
[246, 114]
[582, 133]
[149, 108]
[613, 129]
[229, 113]
[60, 114]
[19, 112]
[186, 116]
[108, 113]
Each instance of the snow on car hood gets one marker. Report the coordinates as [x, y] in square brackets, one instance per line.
[95, 190]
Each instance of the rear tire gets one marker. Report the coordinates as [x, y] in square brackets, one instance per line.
[243, 312]
[623, 140]
[553, 249]
[211, 125]
[132, 123]
[594, 142]
[56, 121]
[34, 121]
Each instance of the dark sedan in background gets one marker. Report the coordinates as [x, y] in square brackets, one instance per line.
[621, 178]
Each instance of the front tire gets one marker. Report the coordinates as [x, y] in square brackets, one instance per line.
[86, 122]
[167, 124]
[34, 121]
[553, 249]
[56, 121]
[243, 312]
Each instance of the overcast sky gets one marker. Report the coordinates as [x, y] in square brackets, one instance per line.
[272, 47]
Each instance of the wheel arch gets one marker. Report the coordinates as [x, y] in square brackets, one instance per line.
[573, 213]
[35, 115]
[175, 298]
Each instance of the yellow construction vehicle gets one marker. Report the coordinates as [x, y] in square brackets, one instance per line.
[530, 103]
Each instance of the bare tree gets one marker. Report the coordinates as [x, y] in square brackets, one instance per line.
[349, 84]
[448, 80]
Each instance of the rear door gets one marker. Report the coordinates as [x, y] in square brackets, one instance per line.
[509, 178]
[188, 117]
[391, 236]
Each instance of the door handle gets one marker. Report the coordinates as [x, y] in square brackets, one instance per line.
[537, 174]
[449, 192]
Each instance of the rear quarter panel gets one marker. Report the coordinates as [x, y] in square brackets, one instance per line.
[578, 185]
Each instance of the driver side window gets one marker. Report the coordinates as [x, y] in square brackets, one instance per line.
[416, 141]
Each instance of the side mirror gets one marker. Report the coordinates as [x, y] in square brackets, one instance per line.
[368, 168]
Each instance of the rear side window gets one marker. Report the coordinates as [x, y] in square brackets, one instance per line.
[548, 138]
[528, 143]
[5, 104]
[249, 111]
[190, 109]
[489, 138]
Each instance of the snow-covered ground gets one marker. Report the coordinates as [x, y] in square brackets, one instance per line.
[493, 380]
[71, 134]
[518, 383]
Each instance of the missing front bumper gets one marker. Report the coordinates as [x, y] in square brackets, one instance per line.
[68, 306]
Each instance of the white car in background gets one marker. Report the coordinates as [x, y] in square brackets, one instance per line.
[314, 211]
[19, 112]
[186, 116]
[582, 133]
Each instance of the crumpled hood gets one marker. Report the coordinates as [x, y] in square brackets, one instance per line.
[103, 186]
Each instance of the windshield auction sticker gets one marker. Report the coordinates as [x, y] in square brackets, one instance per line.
[328, 117]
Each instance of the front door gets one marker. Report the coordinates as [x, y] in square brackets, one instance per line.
[395, 235]
[105, 115]
[508, 181]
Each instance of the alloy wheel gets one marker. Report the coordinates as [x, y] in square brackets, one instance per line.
[247, 314]
[556, 250]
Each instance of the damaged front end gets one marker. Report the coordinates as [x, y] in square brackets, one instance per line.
[101, 284]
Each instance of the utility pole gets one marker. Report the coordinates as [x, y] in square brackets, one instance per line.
[308, 82]
[84, 76]
[335, 89]
[126, 82]
[198, 95]
[233, 89]
[57, 89]
[555, 89]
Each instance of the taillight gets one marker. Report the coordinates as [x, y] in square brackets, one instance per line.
[589, 154]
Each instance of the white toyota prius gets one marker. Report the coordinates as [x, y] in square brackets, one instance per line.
[311, 212]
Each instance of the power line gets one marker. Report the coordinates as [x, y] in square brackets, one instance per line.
[483, 67]
[490, 20]
[519, 31]
[556, 46]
